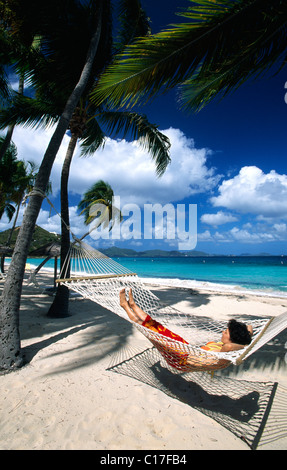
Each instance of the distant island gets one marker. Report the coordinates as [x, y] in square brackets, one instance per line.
[42, 237]
[115, 252]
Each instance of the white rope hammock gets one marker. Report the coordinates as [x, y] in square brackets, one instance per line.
[100, 279]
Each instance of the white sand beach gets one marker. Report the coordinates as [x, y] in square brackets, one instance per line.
[66, 397]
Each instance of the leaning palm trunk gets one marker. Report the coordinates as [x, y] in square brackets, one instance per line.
[10, 345]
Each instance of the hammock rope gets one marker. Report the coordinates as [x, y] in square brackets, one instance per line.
[99, 278]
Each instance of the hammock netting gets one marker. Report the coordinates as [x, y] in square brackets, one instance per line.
[100, 279]
[255, 412]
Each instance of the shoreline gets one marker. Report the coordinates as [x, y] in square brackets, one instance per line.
[67, 397]
[212, 286]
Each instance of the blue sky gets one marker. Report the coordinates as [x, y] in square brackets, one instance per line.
[228, 160]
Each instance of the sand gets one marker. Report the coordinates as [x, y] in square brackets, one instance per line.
[67, 397]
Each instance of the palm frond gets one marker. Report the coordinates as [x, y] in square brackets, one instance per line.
[137, 127]
[28, 112]
[160, 61]
[225, 43]
[99, 196]
[93, 137]
[133, 22]
[261, 52]
[7, 209]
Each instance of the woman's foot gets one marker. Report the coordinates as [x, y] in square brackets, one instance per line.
[123, 300]
[136, 309]
[125, 305]
[131, 301]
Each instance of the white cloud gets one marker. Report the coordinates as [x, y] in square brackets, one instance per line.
[131, 172]
[248, 234]
[254, 192]
[205, 236]
[219, 218]
[127, 167]
[52, 222]
[281, 228]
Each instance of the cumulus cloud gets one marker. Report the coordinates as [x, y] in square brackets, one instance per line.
[127, 167]
[52, 222]
[254, 192]
[219, 218]
[49, 220]
[247, 234]
[131, 172]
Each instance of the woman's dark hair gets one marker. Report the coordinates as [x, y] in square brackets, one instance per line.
[239, 333]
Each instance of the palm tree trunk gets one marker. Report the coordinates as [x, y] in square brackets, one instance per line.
[10, 345]
[60, 305]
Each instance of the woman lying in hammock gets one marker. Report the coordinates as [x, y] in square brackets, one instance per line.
[235, 337]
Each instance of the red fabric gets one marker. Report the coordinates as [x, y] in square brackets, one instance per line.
[173, 356]
[153, 325]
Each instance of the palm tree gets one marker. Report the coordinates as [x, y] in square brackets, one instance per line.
[90, 125]
[10, 169]
[10, 348]
[101, 193]
[15, 34]
[16, 179]
[217, 47]
[155, 143]
[87, 125]
[24, 174]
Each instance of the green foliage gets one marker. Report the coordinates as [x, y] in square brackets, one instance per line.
[99, 196]
[15, 179]
[40, 237]
[218, 46]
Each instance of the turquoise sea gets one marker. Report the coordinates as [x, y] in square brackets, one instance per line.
[267, 274]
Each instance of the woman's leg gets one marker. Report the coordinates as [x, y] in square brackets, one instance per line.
[137, 310]
[136, 315]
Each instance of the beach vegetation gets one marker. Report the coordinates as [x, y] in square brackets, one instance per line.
[40, 237]
[16, 181]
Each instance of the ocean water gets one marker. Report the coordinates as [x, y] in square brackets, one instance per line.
[260, 273]
[265, 274]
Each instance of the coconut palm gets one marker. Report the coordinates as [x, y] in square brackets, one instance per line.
[100, 195]
[10, 348]
[19, 178]
[16, 179]
[79, 81]
[218, 46]
[10, 169]
[15, 35]
[90, 126]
